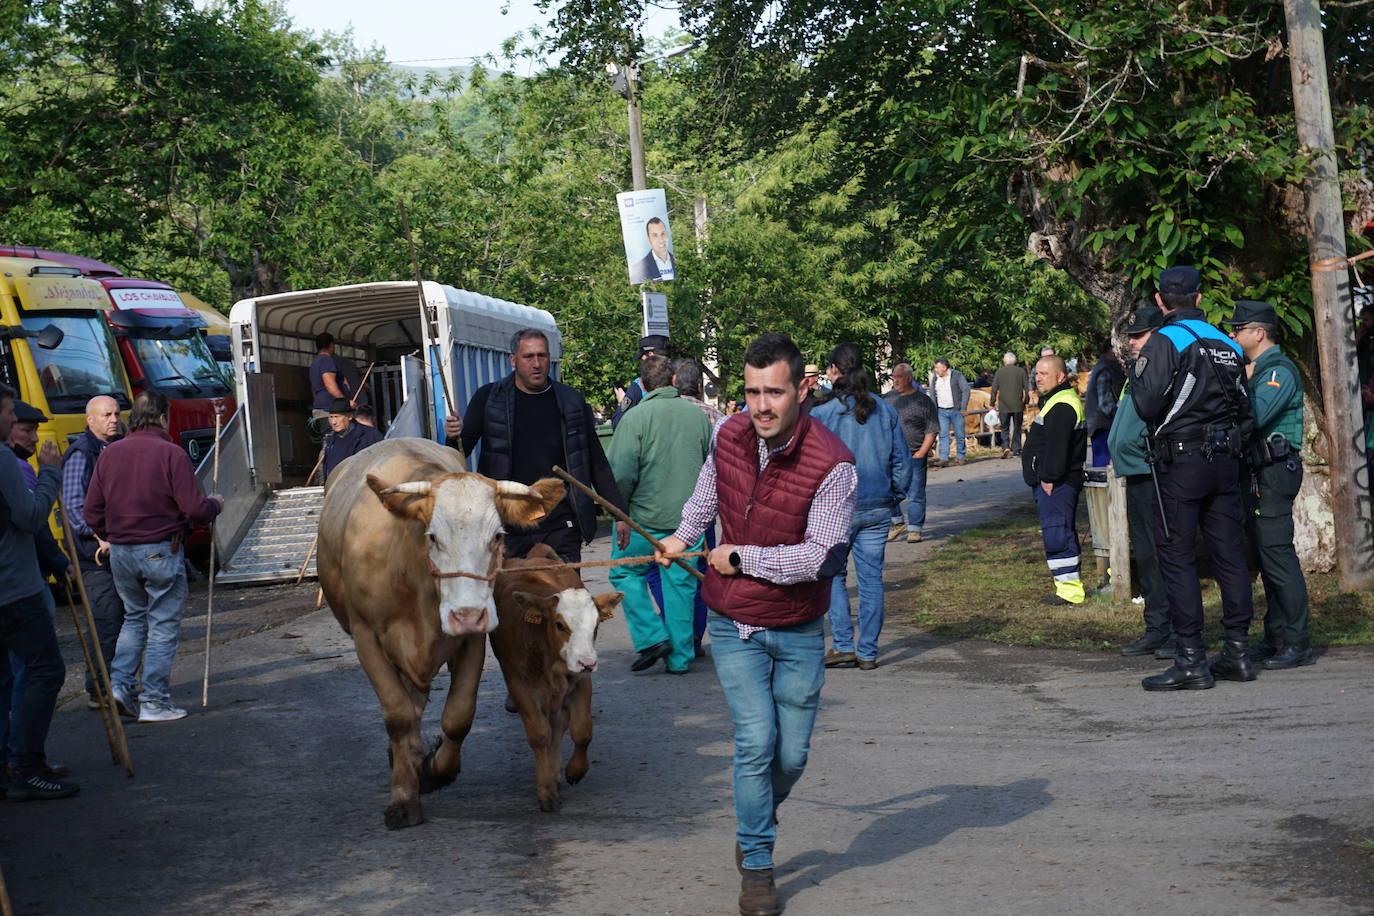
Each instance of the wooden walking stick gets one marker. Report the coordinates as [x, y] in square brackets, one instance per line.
[104, 671]
[568, 478]
[105, 709]
[210, 591]
[5, 908]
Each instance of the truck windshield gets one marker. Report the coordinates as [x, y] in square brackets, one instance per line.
[181, 368]
[84, 365]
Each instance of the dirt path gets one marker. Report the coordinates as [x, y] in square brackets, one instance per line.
[960, 777]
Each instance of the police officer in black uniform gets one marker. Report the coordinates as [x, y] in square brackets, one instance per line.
[1189, 388]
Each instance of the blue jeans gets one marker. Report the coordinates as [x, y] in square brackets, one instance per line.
[915, 496]
[26, 630]
[867, 544]
[772, 681]
[151, 581]
[951, 424]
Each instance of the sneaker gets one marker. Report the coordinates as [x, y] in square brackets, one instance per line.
[896, 530]
[913, 536]
[1006, 453]
[127, 705]
[39, 788]
[960, 462]
[161, 712]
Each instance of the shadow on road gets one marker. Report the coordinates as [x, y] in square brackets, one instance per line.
[906, 823]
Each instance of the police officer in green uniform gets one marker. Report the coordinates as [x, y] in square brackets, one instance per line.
[1275, 474]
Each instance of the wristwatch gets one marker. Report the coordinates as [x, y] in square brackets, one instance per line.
[734, 559]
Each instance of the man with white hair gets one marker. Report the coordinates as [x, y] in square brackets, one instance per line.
[1008, 398]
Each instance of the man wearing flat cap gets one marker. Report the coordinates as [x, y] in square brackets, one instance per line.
[1189, 387]
[633, 393]
[1126, 442]
[1275, 474]
[347, 438]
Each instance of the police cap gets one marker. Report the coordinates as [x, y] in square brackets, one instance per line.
[1183, 280]
[655, 343]
[1249, 311]
[1145, 318]
[27, 413]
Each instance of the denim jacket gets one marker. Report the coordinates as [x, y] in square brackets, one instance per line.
[880, 451]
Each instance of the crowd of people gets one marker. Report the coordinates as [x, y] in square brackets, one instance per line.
[812, 472]
[129, 499]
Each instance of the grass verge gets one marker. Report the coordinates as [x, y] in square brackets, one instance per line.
[986, 582]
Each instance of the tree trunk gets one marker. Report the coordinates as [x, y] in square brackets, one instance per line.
[248, 281]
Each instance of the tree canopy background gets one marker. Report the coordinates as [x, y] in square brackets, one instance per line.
[923, 178]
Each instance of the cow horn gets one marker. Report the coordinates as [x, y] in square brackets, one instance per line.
[511, 488]
[419, 487]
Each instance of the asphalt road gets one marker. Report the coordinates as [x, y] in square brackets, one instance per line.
[959, 777]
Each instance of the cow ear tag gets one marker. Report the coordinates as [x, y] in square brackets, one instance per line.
[533, 616]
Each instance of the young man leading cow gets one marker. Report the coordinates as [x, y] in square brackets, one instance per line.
[783, 486]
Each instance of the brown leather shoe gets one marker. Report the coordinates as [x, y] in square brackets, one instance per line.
[758, 896]
[835, 659]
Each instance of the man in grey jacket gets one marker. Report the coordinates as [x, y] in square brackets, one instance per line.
[949, 390]
[26, 629]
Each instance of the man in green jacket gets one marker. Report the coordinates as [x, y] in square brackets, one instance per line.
[656, 455]
[1275, 474]
[1126, 442]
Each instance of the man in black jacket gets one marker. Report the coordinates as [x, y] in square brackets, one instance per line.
[1189, 388]
[1052, 465]
[527, 423]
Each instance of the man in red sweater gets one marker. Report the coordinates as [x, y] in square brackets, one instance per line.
[142, 497]
[783, 486]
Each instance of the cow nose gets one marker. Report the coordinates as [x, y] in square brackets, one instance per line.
[587, 664]
[467, 620]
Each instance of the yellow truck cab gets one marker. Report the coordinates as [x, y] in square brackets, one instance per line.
[57, 373]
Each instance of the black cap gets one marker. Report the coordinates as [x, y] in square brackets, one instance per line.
[656, 342]
[1249, 311]
[341, 405]
[1145, 318]
[27, 413]
[1183, 280]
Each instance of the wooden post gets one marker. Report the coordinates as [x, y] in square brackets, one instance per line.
[1120, 538]
[1332, 312]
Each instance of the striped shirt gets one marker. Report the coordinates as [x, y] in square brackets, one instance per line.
[827, 525]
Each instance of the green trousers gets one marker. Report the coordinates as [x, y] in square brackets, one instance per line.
[647, 628]
[1269, 528]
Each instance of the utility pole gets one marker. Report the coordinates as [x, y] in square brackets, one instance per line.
[637, 176]
[1332, 310]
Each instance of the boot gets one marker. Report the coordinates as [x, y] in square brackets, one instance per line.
[1189, 672]
[758, 896]
[1233, 662]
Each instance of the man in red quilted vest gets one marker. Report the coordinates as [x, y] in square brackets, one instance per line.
[783, 487]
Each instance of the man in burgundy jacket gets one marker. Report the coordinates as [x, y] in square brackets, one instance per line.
[142, 496]
[783, 486]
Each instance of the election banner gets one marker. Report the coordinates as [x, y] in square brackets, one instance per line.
[648, 240]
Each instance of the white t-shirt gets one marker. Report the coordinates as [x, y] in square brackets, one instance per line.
[944, 397]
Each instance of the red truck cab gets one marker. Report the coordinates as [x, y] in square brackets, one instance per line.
[163, 349]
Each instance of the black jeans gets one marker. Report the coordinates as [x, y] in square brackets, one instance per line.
[106, 608]
[565, 539]
[1011, 431]
[27, 631]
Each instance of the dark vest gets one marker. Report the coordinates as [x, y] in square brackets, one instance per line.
[88, 445]
[768, 510]
[497, 440]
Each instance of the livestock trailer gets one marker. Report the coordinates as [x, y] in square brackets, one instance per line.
[412, 337]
